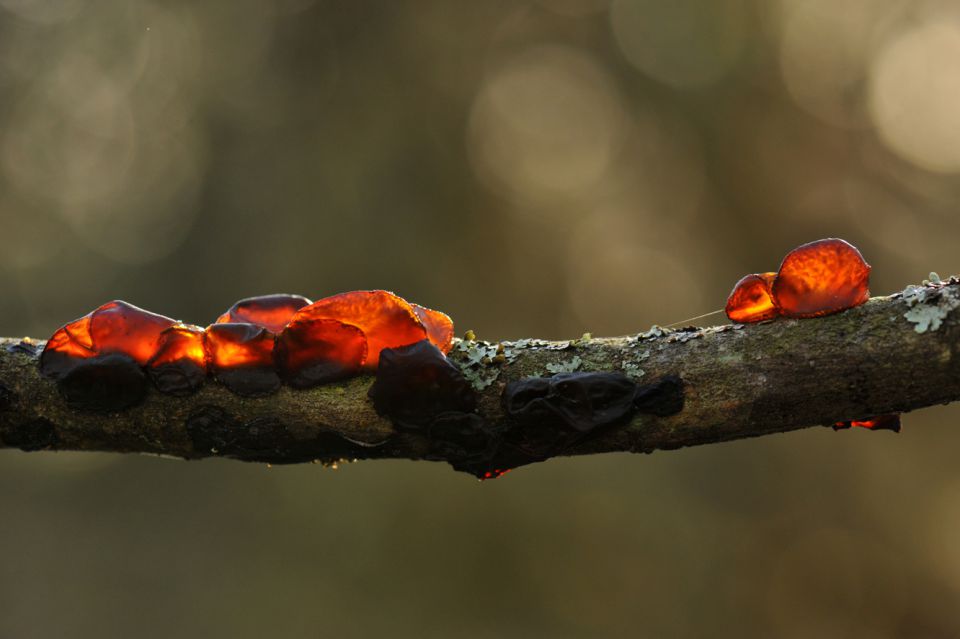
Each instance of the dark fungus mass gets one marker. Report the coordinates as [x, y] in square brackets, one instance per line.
[38, 434]
[104, 384]
[416, 383]
[582, 402]
[180, 378]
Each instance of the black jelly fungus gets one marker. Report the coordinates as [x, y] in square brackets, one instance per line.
[38, 434]
[416, 383]
[179, 378]
[104, 383]
[582, 402]
[662, 398]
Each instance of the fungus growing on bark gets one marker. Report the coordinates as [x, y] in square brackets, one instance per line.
[820, 278]
[439, 327]
[416, 383]
[114, 328]
[179, 367]
[104, 384]
[240, 356]
[309, 352]
[815, 279]
[271, 312]
[751, 299]
[386, 320]
[582, 402]
[881, 422]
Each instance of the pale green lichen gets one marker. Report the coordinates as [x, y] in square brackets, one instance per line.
[568, 366]
[477, 367]
[929, 305]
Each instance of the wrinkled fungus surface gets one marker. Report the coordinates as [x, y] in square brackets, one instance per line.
[107, 383]
[416, 383]
[815, 279]
[115, 328]
[179, 365]
[580, 401]
[251, 347]
[881, 422]
[387, 321]
[241, 358]
[271, 312]
[820, 278]
[439, 327]
[310, 352]
[751, 299]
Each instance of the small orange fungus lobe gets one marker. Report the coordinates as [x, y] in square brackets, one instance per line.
[881, 422]
[271, 312]
[820, 278]
[179, 365]
[316, 351]
[752, 299]
[241, 357]
[387, 320]
[235, 345]
[439, 327]
[115, 328]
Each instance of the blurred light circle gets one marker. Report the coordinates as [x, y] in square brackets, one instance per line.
[915, 96]
[681, 43]
[545, 123]
[826, 49]
[43, 11]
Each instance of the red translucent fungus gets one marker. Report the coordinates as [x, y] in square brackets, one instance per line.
[118, 327]
[114, 328]
[179, 343]
[316, 351]
[439, 327]
[881, 422]
[234, 345]
[751, 299]
[495, 473]
[271, 312]
[387, 320]
[820, 278]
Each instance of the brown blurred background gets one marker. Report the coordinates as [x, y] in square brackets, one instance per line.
[534, 168]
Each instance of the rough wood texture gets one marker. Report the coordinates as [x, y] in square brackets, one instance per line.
[739, 381]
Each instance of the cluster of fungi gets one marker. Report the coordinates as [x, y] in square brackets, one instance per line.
[255, 346]
[102, 361]
[816, 279]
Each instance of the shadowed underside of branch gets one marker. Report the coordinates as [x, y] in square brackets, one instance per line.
[892, 354]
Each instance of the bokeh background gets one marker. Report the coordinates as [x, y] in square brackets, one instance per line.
[534, 168]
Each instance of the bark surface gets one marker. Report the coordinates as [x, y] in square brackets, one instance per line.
[893, 354]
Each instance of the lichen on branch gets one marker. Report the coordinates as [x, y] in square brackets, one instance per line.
[891, 355]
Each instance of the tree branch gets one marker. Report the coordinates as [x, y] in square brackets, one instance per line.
[892, 354]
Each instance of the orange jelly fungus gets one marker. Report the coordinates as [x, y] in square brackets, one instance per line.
[271, 312]
[439, 327]
[115, 327]
[820, 278]
[882, 422]
[315, 351]
[387, 321]
[233, 345]
[180, 343]
[751, 299]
